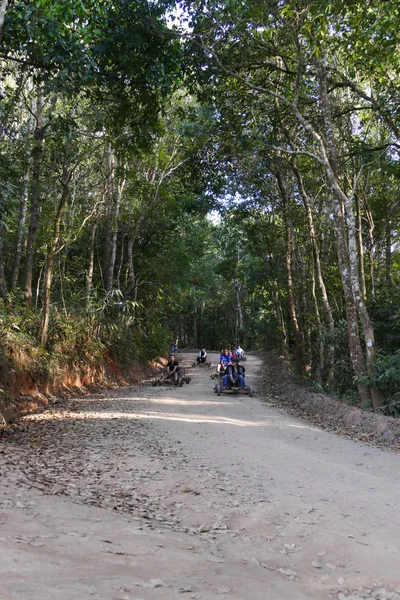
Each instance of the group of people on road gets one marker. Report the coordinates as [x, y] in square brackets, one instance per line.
[228, 365]
[231, 368]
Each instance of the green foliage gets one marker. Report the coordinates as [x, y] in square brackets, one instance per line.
[386, 378]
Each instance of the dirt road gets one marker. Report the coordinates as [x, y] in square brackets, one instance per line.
[164, 493]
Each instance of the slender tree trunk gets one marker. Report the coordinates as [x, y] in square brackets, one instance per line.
[388, 252]
[39, 279]
[371, 227]
[89, 276]
[360, 248]
[321, 283]
[360, 301]
[3, 8]
[3, 284]
[345, 267]
[121, 262]
[23, 206]
[111, 201]
[195, 330]
[65, 180]
[239, 308]
[93, 231]
[320, 367]
[34, 197]
[114, 232]
[280, 320]
[298, 334]
[132, 290]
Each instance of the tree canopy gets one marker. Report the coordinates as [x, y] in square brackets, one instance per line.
[208, 172]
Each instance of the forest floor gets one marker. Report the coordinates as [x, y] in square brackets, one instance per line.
[162, 493]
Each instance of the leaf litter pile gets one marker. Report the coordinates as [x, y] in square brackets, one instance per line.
[84, 450]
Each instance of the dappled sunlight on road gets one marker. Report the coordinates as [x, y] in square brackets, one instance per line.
[169, 400]
[156, 415]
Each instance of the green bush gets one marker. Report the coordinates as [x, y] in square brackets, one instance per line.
[387, 379]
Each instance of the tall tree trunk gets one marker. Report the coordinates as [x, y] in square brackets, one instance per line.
[23, 206]
[346, 269]
[34, 196]
[318, 273]
[298, 334]
[65, 180]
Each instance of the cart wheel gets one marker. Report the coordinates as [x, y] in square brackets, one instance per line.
[218, 389]
[188, 379]
[180, 382]
[251, 392]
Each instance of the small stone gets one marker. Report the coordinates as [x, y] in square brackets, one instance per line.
[316, 564]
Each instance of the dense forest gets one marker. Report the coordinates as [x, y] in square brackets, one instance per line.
[205, 172]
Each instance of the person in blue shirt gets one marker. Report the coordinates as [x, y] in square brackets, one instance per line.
[224, 360]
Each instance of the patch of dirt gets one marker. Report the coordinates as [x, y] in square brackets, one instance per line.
[319, 409]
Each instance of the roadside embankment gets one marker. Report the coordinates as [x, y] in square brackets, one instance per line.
[279, 389]
[24, 389]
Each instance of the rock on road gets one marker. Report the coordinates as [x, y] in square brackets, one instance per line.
[164, 493]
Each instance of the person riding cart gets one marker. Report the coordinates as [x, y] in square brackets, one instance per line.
[224, 360]
[202, 356]
[239, 352]
[171, 371]
[234, 376]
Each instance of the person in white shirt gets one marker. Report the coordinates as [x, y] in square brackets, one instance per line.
[201, 356]
[239, 352]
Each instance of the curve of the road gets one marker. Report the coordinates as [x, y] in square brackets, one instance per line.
[168, 493]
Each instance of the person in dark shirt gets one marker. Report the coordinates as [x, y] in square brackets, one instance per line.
[172, 369]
